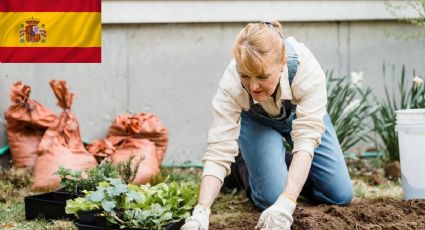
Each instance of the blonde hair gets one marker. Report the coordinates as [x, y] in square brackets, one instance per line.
[256, 44]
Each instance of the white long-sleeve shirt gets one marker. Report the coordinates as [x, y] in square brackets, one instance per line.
[308, 92]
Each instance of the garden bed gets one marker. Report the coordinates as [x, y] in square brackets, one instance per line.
[374, 207]
[365, 214]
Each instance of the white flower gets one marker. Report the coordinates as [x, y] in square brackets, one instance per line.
[417, 81]
[350, 107]
[357, 78]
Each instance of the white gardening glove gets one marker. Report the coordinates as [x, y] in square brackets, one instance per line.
[278, 216]
[199, 220]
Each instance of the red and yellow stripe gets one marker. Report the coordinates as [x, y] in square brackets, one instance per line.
[73, 31]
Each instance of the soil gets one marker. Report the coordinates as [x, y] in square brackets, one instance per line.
[366, 214]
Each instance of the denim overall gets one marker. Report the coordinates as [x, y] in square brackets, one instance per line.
[261, 145]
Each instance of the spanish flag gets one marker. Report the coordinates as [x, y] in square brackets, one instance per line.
[50, 31]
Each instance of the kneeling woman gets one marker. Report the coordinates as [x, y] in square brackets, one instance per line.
[273, 89]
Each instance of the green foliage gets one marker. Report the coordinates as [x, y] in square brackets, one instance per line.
[80, 204]
[143, 206]
[406, 96]
[127, 170]
[349, 108]
[76, 181]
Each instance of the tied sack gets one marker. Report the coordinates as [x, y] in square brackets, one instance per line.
[61, 145]
[26, 122]
[142, 126]
[121, 149]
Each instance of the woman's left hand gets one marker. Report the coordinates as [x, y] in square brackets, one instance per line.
[278, 216]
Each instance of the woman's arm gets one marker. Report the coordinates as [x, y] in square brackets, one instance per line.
[279, 215]
[199, 220]
[210, 187]
[297, 174]
[221, 150]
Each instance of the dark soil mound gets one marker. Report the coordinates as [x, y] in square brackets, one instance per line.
[369, 214]
[243, 222]
[376, 214]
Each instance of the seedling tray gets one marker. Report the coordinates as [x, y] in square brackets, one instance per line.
[50, 206]
[88, 217]
[175, 226]
[62, 195]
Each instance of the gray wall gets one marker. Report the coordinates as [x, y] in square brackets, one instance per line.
[172, 70]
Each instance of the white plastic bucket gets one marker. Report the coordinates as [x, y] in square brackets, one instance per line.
[411, 138]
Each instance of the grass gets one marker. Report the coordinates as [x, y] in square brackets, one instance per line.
[12, 215]
[389, 189]
[15, 185]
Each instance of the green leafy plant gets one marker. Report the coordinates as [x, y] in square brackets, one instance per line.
[349, 108]
[408, 95]
[75, 181]
[142, 207]
[128, 170]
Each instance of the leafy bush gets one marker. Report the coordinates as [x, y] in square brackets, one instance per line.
[411, 96]
[75, 181]
[143, 206]
[349, 108]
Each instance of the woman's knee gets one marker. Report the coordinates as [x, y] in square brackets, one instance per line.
[266, 190]
[264, 199]
[341, 196]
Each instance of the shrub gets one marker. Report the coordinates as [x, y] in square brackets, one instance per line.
[349, 108]
[412, 96]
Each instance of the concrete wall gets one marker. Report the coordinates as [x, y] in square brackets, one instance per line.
[172, 70]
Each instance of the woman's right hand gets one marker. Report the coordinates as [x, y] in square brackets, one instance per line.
[210, 187]
[199, 220]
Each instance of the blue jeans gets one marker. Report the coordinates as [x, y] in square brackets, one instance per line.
[262, 148]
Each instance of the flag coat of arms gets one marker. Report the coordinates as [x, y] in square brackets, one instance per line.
[50, 31]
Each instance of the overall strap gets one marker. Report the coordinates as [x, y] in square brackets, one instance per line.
[292, 64]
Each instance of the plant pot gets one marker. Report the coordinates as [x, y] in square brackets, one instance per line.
[46, 206]
[88, 217]
[90, 227]
[101, 221]
[63, 195]
[102, 224]
[175, 226]
[49, 205]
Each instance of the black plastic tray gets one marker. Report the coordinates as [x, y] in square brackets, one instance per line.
[175, 226]
[50, 206]
[88, 217]
[62, 195]
[90, 227]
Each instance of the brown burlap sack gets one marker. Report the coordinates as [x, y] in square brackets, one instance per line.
[61, 145]
[104, 148]
[27, 120]
[121, 149]
[142, 126]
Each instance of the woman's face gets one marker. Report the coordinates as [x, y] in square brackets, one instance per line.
[263, 86]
